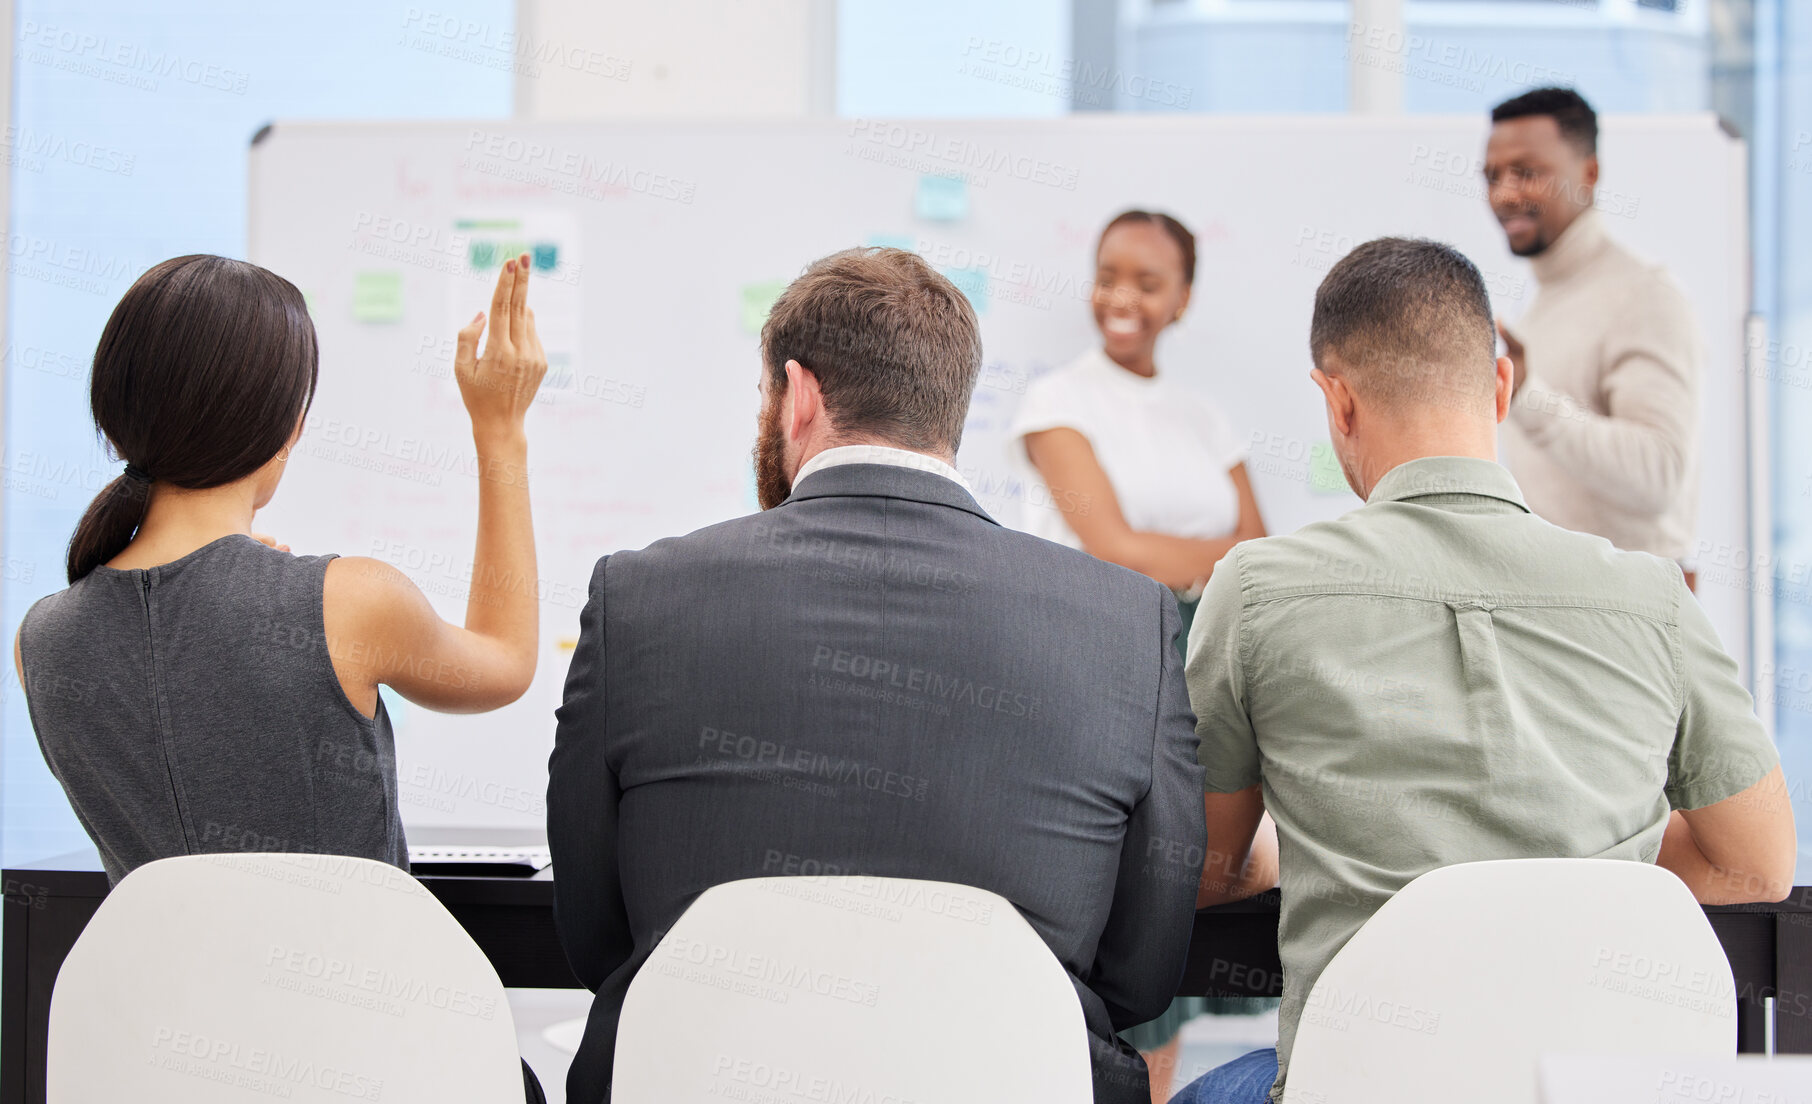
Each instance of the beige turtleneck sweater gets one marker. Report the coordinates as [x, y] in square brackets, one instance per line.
[1604, 435]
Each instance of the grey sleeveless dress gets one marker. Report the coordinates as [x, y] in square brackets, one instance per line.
[193, 707]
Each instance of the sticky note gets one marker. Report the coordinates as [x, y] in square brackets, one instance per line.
[973, 283]
[377, 297]
[1325, 476]
[894, 241]
[942, 198]
[757, 300]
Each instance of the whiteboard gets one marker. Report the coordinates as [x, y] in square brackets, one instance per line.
[659, 245]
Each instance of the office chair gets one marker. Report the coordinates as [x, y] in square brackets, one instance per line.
[1456, 987]
[851, 988]
[277, 976]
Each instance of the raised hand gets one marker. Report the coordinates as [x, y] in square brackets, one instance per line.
[499, 387]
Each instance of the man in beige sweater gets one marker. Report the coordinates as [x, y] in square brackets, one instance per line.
[1603, 433]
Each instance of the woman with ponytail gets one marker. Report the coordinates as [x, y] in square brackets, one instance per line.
[228, 690]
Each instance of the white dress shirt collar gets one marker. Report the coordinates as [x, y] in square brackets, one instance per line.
[881, 454]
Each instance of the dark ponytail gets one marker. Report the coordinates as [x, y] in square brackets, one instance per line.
[202, 373]
[107, 525]
[1177, 231]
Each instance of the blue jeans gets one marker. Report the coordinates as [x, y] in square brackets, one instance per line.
[1245, 1080]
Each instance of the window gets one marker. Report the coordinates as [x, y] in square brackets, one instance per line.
[128, 145]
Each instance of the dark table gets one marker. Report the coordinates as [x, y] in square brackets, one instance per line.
[1233, 953]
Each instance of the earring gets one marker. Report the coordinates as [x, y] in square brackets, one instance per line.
[283, 457]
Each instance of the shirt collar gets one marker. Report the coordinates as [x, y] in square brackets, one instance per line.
[885, 481]
[1448, 475]
[1582, 241]
[881, 454]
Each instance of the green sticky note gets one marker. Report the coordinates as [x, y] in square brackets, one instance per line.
[1325, 476]
[757, 300]
[942, 198]
[377, 297]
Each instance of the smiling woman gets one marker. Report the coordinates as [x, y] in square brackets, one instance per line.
[1140, 472]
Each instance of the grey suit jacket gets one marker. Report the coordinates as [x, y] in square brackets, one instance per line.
[876, 678]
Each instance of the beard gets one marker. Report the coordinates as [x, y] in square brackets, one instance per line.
[1538, 241]
[1534, 246]
[772, 483]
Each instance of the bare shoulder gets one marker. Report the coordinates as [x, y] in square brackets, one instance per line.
[360, 590]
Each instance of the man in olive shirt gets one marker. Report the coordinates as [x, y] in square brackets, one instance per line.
[1442, 677]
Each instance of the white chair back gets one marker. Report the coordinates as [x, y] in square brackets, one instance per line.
[1462, 980]
[277, 976]
[1664, 1079]
[851, 988]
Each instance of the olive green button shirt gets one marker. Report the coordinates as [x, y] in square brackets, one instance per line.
[1442, 677]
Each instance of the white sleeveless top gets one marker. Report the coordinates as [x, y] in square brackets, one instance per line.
[1167, 451]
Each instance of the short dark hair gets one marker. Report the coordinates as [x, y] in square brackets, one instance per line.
[1410, 320]
[1577, 121]
[1177, 231]
[895, 346]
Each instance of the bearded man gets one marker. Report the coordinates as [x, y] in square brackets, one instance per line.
[873, 677]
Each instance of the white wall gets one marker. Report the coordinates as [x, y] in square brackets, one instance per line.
[597, 59]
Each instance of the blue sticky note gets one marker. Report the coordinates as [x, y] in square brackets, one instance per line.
[973, 283]
[942, 198]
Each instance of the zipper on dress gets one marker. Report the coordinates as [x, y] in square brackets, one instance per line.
[157, 708]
